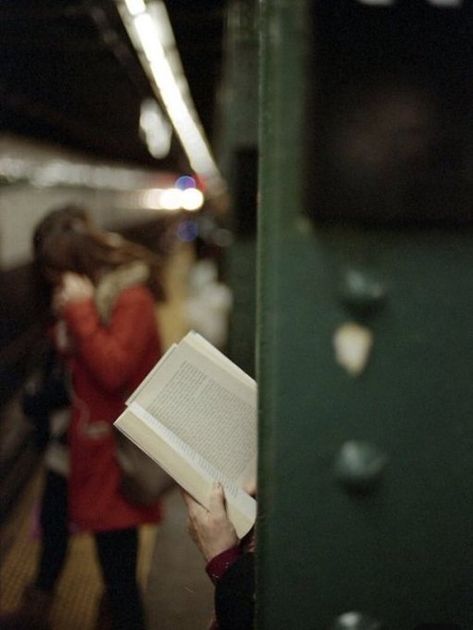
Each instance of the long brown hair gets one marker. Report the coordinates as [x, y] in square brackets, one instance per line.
[68, 240]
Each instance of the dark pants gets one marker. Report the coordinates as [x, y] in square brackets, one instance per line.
[54, 531]
[117, 552]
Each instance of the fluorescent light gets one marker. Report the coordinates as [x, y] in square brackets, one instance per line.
[152, 35]
[135, 6]
[155, 128]
[171, 199]
[191, 199]
[151, 198]
[149, 37]
[159, 14]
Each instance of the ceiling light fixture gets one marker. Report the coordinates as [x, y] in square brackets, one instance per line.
[150, 31]
[135, 6]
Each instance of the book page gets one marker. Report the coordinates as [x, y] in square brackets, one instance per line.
[185, 466]
[205, 407]
[200, 343]
[158, 365]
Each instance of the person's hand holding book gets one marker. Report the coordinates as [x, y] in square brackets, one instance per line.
[210, 529]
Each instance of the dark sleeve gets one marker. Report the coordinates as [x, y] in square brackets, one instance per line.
[235, 595]
[217, 567]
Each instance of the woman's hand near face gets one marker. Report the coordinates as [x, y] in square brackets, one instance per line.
[211, 529]
[73, 288]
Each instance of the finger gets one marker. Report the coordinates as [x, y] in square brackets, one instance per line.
[217, 501]
[196, 511]
[188, 500]
[250, 487]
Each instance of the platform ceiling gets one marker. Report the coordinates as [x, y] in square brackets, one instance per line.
[69, 74]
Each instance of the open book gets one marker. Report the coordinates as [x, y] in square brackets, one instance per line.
[195, 415]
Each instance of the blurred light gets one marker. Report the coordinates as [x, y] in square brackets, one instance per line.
[187, 231]
[148, 35]
[185, 182]
[171, 199]
[56, 172]
[152, 198]
[152, 34]
[135, 6]
[158, 12]
[191, 199]
[43, 166]
[155, 128]
[13, 168]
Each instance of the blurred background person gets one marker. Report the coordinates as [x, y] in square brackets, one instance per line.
[103, 296]
[209, 303]
[46, 404]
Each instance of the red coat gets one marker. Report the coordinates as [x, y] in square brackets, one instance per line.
[109, 363]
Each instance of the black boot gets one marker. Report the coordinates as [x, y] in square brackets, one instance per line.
[104, 614]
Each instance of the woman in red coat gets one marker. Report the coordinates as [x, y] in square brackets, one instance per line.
[107, 328]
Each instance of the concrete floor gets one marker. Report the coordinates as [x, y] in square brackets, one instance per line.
[179, 595]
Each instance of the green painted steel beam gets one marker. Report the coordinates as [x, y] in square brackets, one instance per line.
[364, 480]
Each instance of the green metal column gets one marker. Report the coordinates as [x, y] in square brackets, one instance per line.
[286, 262]
[365, 480]
[238, 157]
